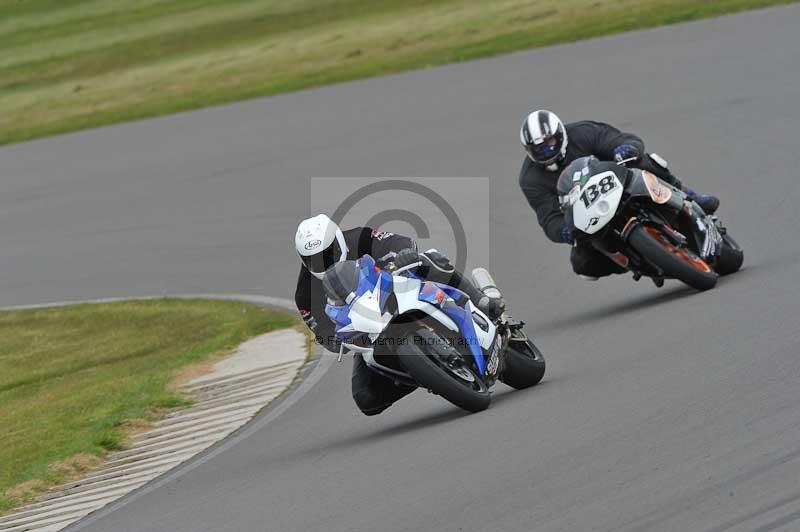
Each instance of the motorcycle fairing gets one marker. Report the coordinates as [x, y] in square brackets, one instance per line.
[445, 297]
[432, 294]
[407, 293]
[372, 275]
[448, 312]
[463, 319]
[701, 227]
[603, 206]
[367, 312]
[659, 192]
[639, 186]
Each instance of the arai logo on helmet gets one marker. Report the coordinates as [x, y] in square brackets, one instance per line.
[311, 244]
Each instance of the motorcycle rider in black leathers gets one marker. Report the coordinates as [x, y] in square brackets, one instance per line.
[551, 146]
[320, 243]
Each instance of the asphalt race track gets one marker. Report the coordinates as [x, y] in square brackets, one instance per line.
[663, 410]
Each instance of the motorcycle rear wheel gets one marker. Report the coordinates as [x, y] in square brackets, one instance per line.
[421, 355]
[677, 262]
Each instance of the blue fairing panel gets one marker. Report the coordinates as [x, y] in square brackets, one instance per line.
[432, 293]
[454, 293]
[369, 275]
[463, 319]
[386, 288]
[340, 314]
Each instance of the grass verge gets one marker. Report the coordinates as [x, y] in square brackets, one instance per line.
[74, 64]
[74, 380]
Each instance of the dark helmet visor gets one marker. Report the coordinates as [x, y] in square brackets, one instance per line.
[545, 150]
[548, 151]
[320, 262]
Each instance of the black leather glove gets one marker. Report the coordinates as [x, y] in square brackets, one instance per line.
[566, 235]
[626, 151]
[405, 257]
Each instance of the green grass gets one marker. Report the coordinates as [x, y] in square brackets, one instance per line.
[72, 378]
[73, 64]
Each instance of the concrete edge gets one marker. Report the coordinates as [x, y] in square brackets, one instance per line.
[72, 509]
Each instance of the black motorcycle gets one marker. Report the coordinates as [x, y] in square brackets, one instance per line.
[645, 225]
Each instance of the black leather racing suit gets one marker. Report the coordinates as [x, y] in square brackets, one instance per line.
[372, 392]
[539, 186]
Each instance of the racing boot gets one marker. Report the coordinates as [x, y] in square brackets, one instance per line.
[437, 268]
[493, 305]
[707, 202]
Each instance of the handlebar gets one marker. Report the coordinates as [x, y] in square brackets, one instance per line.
[407, 267]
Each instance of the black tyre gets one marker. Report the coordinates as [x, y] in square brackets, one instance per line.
[423, 356]
[524, 364]
[731, 258]
[678, 262]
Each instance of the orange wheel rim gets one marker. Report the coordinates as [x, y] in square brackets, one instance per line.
[680, 252]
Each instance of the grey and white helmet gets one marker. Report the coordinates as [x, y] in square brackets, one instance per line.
[544, 137]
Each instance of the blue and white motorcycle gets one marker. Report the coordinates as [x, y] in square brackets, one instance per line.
[426, 334]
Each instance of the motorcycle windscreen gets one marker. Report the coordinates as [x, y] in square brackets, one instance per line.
[357, 295]
[366, 309]
[341, 282]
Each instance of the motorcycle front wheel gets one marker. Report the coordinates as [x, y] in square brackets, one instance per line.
[524, 364]
[677, 262]
[731, 256]
[424, 355]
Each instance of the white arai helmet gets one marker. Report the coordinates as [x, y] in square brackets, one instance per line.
[320, 244]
